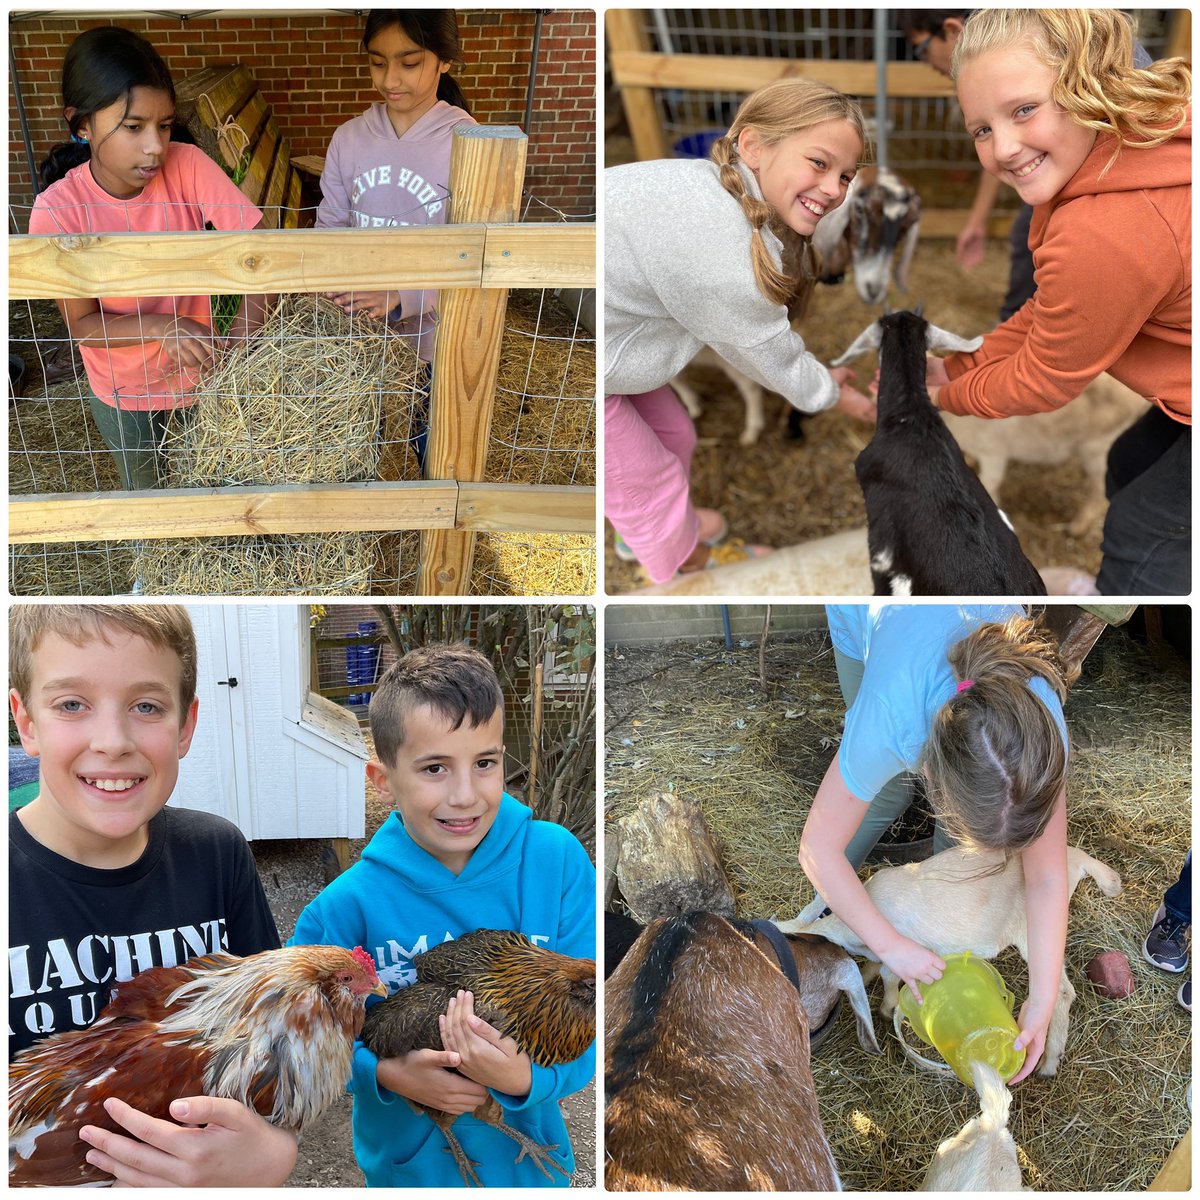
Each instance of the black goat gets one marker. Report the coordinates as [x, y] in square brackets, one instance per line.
[932, 529]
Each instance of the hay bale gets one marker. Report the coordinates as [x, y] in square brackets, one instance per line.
[534, 564]
[338, 564]
[302, 401]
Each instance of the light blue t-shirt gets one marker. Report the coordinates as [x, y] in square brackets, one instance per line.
[907, 677]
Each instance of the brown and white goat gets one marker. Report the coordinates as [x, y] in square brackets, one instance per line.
[707, 1078]
[961, 900]
[881, 212]
[981, 1156]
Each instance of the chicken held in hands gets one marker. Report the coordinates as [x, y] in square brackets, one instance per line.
[546, 1002]
[274, 1031]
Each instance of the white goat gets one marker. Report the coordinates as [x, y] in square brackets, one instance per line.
[1081, 431]
[881, 211]
[960, 900]
[750, 391]
[982, 1156]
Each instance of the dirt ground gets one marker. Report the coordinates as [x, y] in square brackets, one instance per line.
[783, 491]
[293, 872]
[695, 719]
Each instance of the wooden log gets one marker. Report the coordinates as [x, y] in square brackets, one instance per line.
[487, 174]
[669, 863]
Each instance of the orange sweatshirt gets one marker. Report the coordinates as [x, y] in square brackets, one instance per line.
[1112, 259]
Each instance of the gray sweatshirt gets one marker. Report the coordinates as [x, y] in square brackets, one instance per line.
[678, 276]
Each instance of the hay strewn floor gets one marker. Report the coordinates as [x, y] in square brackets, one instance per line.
[780, 491]
[694, 719]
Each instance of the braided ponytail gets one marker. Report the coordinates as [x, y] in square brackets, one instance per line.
[777, 111]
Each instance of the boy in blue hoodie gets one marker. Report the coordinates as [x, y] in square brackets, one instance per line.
[457, 854]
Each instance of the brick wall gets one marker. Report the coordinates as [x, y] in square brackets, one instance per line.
[313, 72]
[651, 624]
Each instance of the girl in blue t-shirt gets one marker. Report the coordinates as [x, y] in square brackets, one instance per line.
[971, 696]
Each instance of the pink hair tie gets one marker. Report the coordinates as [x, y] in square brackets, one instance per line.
[966, 683]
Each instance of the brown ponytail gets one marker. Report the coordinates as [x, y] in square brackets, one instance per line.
[995, 760]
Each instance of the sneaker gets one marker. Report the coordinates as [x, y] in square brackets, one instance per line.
[1185, 994]
[1166, 945]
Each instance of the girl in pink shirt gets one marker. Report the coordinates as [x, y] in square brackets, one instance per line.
[120, 173]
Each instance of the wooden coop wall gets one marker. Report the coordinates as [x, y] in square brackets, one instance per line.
[681, 72]
[312, 73]
[474, 261]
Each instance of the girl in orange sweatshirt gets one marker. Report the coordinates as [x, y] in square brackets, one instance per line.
[1102, 150]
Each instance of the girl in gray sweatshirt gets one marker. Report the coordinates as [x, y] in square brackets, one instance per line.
[714, 253]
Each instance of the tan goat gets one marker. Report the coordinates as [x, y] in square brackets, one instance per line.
[707, 1079]
[961, 900]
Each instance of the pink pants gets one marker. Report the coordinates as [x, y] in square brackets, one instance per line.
[648, 444]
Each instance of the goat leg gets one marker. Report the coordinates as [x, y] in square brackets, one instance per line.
[1056, 1035]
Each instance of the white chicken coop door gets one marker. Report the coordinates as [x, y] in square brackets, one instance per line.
[271, 755]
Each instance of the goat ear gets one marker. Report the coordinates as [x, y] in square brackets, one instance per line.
[831, 228]
[943, 339]
[906, 255]
[869, 339]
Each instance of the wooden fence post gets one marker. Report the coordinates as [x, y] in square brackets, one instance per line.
[487, 174]
[624, 30]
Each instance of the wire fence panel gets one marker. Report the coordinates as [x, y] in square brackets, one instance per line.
[313, 397]
[925, 133]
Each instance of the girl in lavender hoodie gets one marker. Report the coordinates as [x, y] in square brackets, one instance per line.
[391, 165]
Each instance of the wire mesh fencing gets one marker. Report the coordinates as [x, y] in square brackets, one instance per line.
[311, 396]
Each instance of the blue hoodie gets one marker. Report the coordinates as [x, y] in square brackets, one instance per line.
[396, 902]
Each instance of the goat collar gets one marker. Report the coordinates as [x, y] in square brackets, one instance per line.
[783, 951]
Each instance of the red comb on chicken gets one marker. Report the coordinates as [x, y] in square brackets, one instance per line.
[275, 1031]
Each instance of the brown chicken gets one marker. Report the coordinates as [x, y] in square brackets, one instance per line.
[274, 1030]
[545, 1002]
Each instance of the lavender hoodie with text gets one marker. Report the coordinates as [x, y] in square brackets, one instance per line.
[376, 179]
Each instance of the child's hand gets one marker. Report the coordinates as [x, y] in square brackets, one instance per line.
[850, 400]
[487, 1057]
[935, 372]
[187, 343]
[429, 1077]
[1032, 1039]
[913, 963]
[217, 1143]
[374, 304]
[969, 248]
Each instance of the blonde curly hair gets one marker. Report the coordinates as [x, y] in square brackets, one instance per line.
[1097, 85]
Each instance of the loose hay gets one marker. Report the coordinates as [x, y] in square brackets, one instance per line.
[544, 419]
[302, 401]
[534, 564]
[694, 719]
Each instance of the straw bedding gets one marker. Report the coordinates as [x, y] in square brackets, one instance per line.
[781, 492]
[694, 718]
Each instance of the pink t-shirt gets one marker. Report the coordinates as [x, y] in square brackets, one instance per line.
[189, 191]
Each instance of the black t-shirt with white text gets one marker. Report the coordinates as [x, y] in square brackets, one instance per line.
[75, 931]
